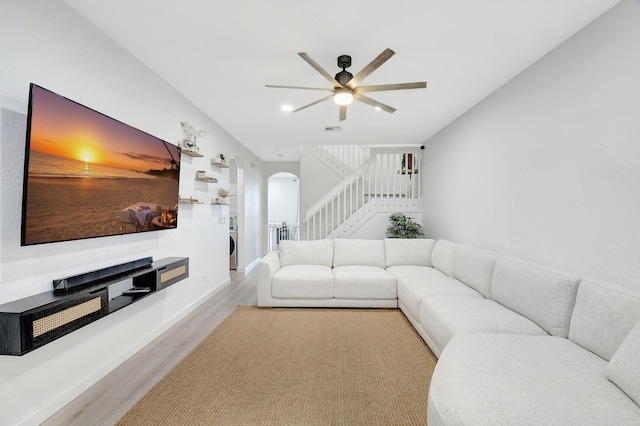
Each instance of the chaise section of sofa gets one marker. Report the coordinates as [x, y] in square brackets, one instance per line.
[489, 378]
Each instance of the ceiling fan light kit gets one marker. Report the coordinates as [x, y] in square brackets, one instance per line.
[345, 85]
[343, 97]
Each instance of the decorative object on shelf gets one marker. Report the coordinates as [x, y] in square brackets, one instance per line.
[190, 136]
[403, 226]
[219, 161]
[202, 177]
[223, 193]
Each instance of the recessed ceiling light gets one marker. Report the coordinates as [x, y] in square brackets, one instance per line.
[378, 109]
[287, 108]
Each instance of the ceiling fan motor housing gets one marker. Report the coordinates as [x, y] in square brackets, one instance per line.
[343, 77]
[344, 61]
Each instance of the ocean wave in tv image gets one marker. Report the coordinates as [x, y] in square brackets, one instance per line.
[67, 202]
[47, 165]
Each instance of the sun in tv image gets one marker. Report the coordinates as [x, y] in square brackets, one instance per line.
[88, 175]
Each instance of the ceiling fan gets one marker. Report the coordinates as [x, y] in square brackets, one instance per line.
[346, 87]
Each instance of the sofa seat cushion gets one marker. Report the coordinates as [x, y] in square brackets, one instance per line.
[303, 282]
[445, 316]
[363, 282]
[500, 379]
[416, 282]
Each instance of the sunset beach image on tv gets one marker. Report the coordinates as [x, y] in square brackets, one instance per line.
[88, 175]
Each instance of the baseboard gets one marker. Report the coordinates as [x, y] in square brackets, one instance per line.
[61, 400]
[249, 267]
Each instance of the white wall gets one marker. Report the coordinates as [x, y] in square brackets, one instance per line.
[283, 199]
[316, 179]
[48, 43]
[251, 231]
[548, 167]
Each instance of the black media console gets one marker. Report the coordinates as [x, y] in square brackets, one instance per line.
[27, 324]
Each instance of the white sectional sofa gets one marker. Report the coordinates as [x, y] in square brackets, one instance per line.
[518, 343]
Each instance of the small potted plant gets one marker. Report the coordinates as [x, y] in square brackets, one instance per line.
[220, 160]
[403, 226]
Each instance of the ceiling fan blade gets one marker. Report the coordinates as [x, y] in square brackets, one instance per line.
[313, 103]
[373, 103]
[298, 87]
[399, 86]
[321, 70]
[373, 65]
[343, 112]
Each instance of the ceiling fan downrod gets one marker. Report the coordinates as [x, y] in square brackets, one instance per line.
[344, 76]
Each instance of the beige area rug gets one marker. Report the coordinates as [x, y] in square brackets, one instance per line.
[297, 367]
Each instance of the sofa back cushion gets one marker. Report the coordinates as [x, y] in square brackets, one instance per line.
[314, 252]
[625, 364]
[358, 252]
[474, 267]
[406, 251]
[544, 295]
[442, 256]
[603, 316]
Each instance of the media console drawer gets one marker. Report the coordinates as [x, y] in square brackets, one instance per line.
[172, 273]
[29, 323]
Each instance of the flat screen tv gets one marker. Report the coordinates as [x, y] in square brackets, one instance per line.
[87, 175]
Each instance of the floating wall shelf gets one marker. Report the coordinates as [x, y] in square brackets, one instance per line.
[191, 153]
[219, 165]
[189, 200]
[207, 180]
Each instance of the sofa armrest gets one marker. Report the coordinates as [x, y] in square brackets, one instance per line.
[267, 267]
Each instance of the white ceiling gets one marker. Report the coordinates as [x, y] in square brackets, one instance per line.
[220, 55]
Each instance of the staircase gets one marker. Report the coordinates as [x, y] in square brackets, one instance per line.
[343, 159]
[376, 180]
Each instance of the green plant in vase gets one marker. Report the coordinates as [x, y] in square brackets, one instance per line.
[403, 226]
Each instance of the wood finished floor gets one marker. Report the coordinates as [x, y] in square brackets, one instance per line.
[109, 399]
